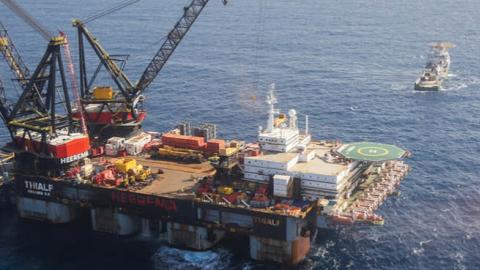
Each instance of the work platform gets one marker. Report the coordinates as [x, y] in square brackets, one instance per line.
[175, 179]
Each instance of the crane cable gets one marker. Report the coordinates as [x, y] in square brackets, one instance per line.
[259, 41]
[109, 11]
[22, 13]
[73, 79]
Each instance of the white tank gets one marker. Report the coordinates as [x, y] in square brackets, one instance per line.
[292, 114]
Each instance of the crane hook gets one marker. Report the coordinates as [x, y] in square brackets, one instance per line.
[225, 2]
[138, 100]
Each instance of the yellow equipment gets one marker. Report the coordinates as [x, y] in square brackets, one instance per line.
[280, 119]
[123, 165]
[142, 175]
[59, 40]
[229, 151]
[225, 190]
[133, 172]
[187, 155]
[214, 160]
[103, 92]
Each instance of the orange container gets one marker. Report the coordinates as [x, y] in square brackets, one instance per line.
[215, 145]
[182, 141]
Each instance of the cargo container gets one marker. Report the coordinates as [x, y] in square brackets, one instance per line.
[214, 146]
[183, 141]
[134, 145]
[111, 150]
[282, 186]
[118, 142]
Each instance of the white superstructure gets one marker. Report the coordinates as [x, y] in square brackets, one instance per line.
[289, 153]
[440, 58]
[281, 138]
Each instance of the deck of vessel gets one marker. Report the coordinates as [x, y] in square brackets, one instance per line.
[318, 165]
[177, 179]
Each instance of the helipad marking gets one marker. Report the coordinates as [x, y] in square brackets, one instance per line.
[373, 151]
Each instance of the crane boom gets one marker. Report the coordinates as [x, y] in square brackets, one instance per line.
[18, 67]
[13, 58]
[4, 106]
[119, 110]
[174, 38]
[120, 78]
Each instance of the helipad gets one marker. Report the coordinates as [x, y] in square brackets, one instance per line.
[367, 151]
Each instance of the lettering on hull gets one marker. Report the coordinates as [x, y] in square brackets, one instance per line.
[144, 200]
[267, 221]
[38, 188]
[73, 158]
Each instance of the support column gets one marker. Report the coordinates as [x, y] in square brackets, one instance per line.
[45, 211]
[193, 237]
[112, 221]
[285, 252]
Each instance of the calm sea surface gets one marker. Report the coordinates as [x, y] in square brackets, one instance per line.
[350, 65]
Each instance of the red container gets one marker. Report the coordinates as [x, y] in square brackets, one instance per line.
[182, 141]
[214, 146]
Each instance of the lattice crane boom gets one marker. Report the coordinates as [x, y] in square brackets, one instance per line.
[173, 39]
[4, 106]
[13, 58]
[117, 74]
[107, 110]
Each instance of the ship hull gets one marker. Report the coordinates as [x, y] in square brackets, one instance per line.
[187, 223]
[426, 87]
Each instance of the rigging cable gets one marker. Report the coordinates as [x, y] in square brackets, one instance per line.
[110, 10]
[73, 79]
[41, 29]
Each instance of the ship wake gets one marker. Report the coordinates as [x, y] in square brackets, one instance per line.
[173, 259]
[456, 83]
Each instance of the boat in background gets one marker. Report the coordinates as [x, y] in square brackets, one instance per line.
[436, 69]
[428, 81]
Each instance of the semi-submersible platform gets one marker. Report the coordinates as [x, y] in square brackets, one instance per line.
[90, 155]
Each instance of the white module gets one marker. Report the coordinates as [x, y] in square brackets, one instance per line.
[288, 154]
[282, 138]
[282, 186]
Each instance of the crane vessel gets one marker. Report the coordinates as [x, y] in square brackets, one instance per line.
[68, 156]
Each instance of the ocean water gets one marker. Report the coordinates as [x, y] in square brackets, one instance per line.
[350, 65]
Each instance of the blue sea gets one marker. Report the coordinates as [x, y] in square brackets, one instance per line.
[349, 64]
